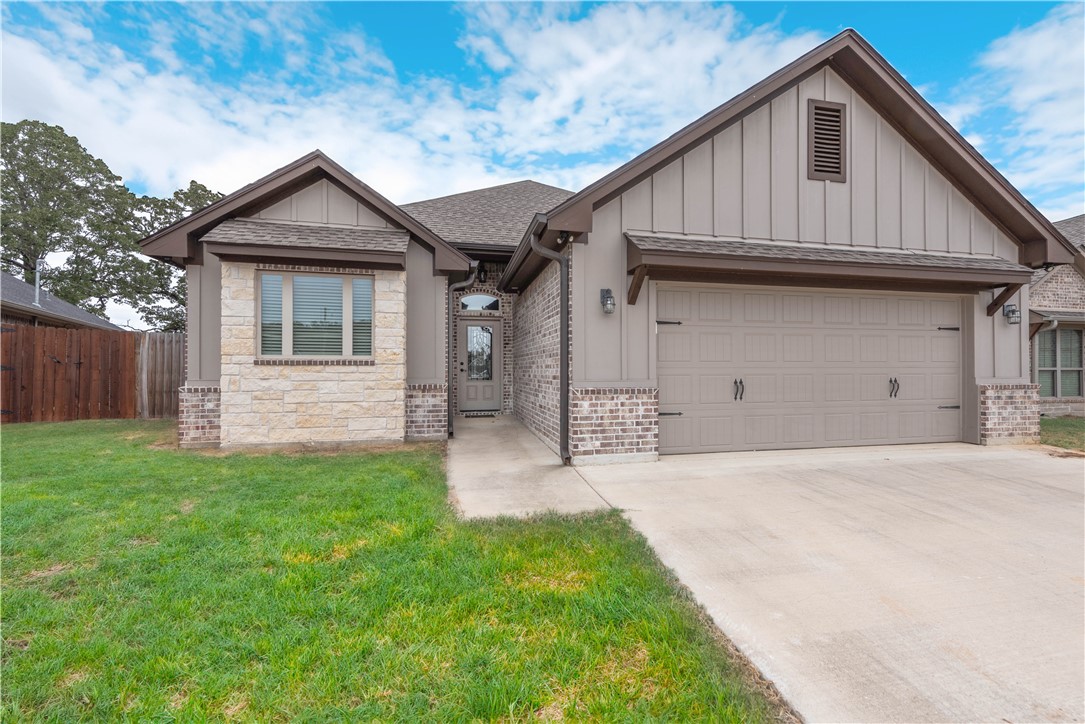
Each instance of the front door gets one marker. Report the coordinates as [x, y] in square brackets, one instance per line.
[479, 365]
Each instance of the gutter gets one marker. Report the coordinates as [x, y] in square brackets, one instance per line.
[452, 289]
[563, 362]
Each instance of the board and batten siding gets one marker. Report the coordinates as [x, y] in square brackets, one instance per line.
[323, 203]
[750, 181]
[426, 332]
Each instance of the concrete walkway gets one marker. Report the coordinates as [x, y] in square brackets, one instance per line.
[496, 466]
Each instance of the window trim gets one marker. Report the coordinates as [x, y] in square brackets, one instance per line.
[811, 174]
[481, 312]
[1058, 369]
[346, 356]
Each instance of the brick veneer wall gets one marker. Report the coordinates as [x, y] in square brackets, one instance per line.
[1062, 288]
[607, 421]
[1009, 413]
[198, 416]
[536, 354]
[427, 412]
[273, 403]
[506, 315]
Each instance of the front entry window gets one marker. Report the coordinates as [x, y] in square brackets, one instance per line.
[480, 356]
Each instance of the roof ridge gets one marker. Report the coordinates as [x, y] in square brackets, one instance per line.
[488, 188]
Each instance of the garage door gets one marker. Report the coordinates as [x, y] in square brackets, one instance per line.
[744, 368]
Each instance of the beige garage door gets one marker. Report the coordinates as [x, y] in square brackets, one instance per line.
[745, 368]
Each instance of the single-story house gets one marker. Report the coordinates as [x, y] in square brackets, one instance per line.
[1057, 329]
[21, 304]
[820, 261]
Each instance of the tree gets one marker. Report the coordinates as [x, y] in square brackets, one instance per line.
[57, 197]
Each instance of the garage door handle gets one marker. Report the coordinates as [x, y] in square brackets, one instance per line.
[894, 387]
[735, 383]
[670, 414]
[741, 389]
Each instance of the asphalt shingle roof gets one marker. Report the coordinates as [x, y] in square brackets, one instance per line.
[259, 232]
[497, 216]
[1073, 229]
[814, 253]
[16, 292]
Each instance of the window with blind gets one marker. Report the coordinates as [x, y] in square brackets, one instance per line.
[315, 315]
[826, 141]
[1059, 362]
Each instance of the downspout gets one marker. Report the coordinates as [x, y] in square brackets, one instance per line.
[452, 289]
[563, 363]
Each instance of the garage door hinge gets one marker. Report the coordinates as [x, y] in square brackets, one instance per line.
[670, 414]
[949, 329]
[665, 321]
[949, 407]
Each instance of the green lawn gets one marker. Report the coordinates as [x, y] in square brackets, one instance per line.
[144, 582]
[1067, 432]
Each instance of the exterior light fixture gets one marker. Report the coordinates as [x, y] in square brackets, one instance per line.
[606, 298]
[481, 273]
[1012, 313]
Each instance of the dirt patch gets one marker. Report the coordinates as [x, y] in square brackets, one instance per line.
[73, 678]
[44, 573]
[142, 541]
[234, 706]
[187, 506]
[179, 699]
[20, 644]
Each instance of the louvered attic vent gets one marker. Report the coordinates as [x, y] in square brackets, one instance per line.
[825, 141]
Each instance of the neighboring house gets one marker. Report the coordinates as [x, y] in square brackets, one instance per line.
[17, 305]
[1057, 306]
[820, 261]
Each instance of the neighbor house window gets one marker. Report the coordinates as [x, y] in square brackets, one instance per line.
[315, 315]
[826, 141]
[1058, 362]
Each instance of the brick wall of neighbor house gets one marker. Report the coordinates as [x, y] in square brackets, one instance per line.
[267, 402]
[1009, 413]
[427, 412]
[1063, 288]
[536, 354]
[508, 324]
[198, 416]
[608, 421]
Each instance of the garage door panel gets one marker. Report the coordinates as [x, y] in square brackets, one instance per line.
[674, 304]
[816, 369]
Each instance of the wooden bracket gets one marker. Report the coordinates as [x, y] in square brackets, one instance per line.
[639, 275]
[1002, 297]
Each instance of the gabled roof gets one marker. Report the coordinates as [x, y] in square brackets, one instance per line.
[1074, 231]
[853, 58]
[177, 243]
[18, 296]
[493, 217]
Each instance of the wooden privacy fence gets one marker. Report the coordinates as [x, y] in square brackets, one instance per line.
[50, 374]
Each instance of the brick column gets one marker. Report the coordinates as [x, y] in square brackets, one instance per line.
[1009, 413]
[198, 418]
[613, 424]
[427, 412]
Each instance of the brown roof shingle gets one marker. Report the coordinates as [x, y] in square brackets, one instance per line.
[497, 216]
[286, 234]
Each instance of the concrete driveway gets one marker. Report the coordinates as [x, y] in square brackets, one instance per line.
[906, 583]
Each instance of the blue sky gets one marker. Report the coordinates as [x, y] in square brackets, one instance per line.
[424, 99]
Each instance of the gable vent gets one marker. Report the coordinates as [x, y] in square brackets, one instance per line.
[826, 141]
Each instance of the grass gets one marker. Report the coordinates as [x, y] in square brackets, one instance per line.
[1066, 432]
[144, 582]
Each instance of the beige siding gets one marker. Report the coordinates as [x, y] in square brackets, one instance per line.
[204, 320]
[425, 318]
[323, 203]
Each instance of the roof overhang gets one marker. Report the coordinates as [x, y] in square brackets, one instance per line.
[308, 256]
[813, 266]
[872, 77]
[177, 243]
[32, 312]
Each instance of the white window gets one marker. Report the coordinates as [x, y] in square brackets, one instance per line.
[1058, 362]
[315, 315]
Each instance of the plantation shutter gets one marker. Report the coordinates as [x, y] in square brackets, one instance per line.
[318, 316]
[1069, 359]
[271, 314]
[826, 141]
[362, 311]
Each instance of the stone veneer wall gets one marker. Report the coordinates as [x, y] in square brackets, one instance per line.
[198, 416]
[427, 412]
[506, 315]
[609, 421]
[311, 401]
[1009, 413]
[536, 354]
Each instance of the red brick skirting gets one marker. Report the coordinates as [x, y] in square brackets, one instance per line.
[613, 421]
[198, 417]
[427, 412]
[1009, 413]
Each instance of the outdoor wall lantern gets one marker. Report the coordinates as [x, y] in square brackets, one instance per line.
[1012, 313]
[481, 273]
[606, 298]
